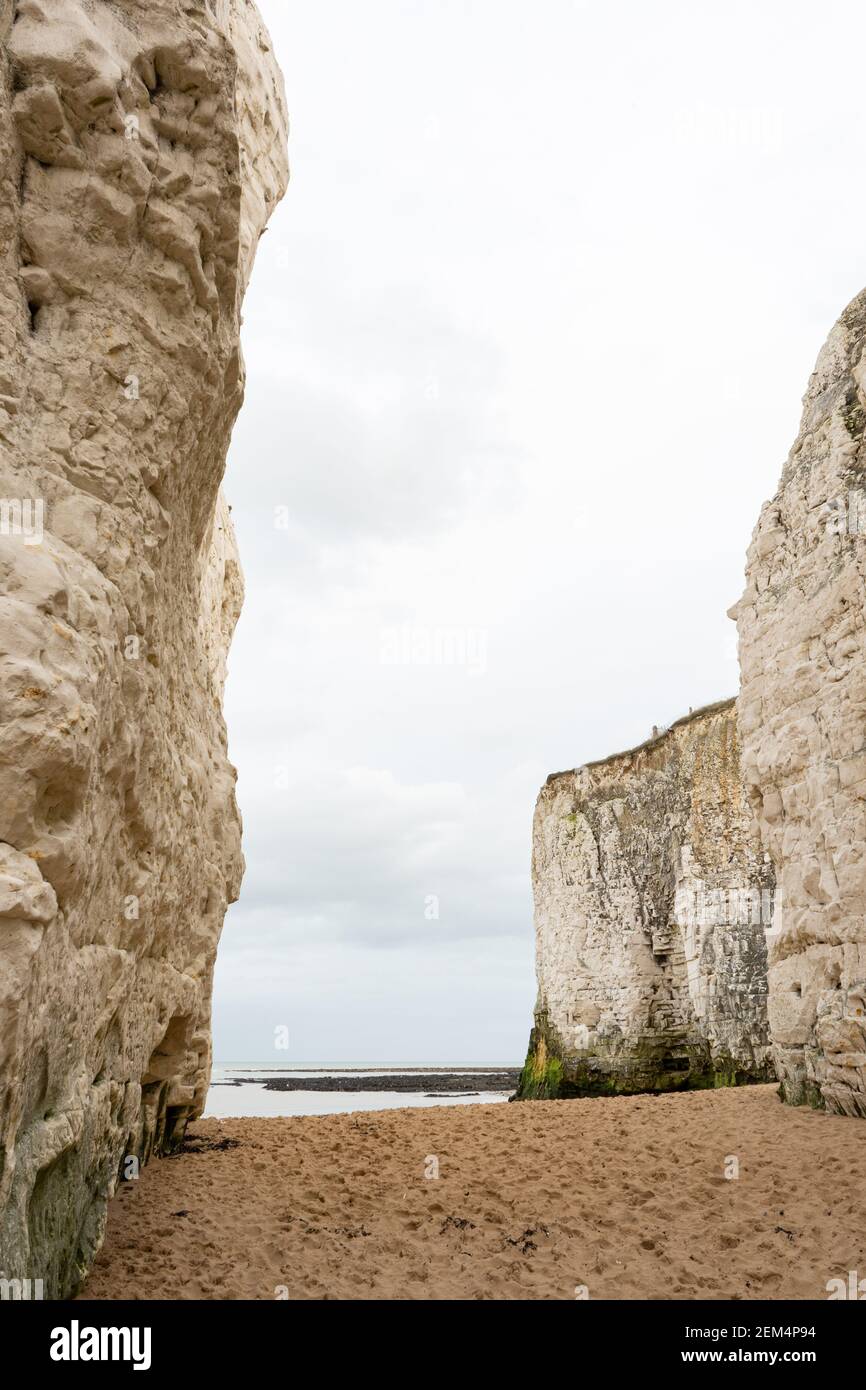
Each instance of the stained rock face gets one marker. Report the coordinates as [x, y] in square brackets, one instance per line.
[652, 898]
[142, 148]
[802, 716]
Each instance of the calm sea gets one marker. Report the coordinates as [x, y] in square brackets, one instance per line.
[238, 1090]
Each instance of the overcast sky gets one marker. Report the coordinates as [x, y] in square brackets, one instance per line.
[525, 344]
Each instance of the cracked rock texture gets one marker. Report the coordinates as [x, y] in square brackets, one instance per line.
[652, 896]
[142, 148]
[802, 717]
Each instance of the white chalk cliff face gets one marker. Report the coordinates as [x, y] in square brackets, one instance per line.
[802, 717]
[143, 149]
[652, 897]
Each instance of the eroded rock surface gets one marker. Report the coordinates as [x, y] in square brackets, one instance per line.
[802, 716]
[143, 148]
[652, 897]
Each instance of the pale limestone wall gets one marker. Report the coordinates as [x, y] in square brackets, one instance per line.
[142, 148]
[802, 714]
[652, 896]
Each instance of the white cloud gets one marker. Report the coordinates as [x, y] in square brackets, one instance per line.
[526, 343]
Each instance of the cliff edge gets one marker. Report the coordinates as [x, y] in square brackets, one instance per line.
[652, 899]
[802, 716]
[143, 149]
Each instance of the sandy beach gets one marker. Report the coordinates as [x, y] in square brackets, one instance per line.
[625, 1197]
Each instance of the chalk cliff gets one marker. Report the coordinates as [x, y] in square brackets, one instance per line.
[802, 718]
[652, 896]
[143, 147]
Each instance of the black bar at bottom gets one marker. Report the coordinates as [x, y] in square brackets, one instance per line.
[146, 1338]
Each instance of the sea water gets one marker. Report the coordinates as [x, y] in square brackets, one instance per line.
[250, 1099]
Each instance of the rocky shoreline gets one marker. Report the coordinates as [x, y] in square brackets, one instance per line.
[456, 1082]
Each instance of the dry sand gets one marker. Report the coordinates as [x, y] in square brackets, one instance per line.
[626, 1196]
